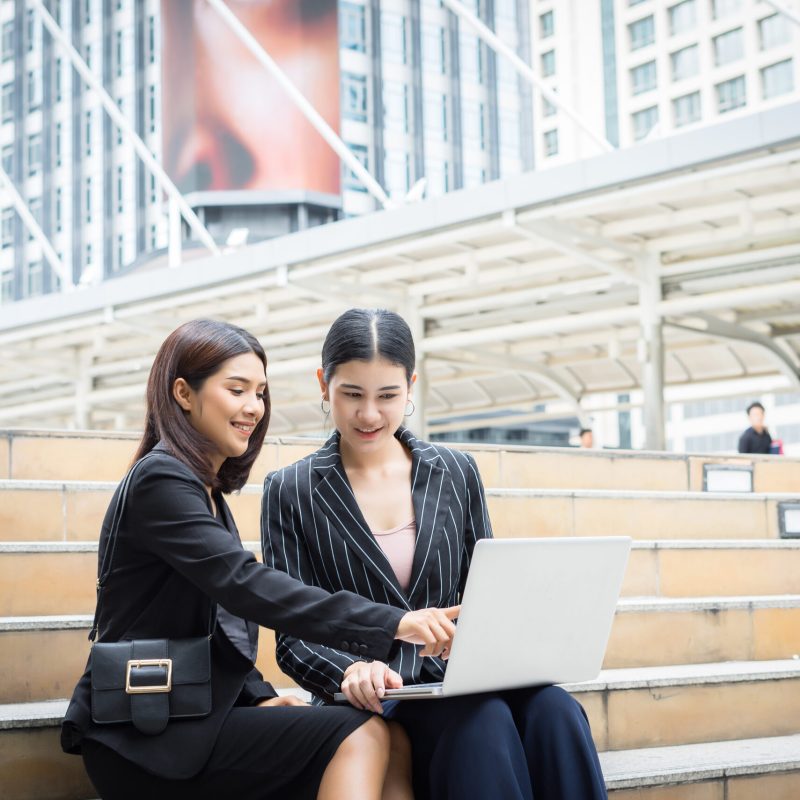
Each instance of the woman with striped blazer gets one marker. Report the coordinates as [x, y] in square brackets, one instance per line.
[381, 513]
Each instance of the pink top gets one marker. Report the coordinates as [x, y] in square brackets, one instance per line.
[398, 544]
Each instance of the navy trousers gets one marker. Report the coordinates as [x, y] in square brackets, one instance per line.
[525, 744]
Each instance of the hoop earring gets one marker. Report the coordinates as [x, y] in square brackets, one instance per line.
[327, 410]
[413, 409]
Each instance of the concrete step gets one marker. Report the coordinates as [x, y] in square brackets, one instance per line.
[691, 703]
[32, 766]
[747, 769]
[647, 632]
[39, 578]
[102, 455]
[40, 510]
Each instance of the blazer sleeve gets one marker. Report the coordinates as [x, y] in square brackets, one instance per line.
[255, 689]
[476, 524]
[315, 667]
[168, 514]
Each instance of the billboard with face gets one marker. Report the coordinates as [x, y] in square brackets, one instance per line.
[227, 123]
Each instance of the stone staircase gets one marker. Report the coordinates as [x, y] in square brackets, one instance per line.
[699, 698]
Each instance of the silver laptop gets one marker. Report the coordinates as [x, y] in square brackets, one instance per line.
[535, 612]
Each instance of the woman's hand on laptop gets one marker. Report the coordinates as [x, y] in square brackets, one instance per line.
[364, 684]
[432, 627]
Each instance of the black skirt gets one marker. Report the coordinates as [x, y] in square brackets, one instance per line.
[260, 754]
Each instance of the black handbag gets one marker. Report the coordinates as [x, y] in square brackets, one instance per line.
[147, 682]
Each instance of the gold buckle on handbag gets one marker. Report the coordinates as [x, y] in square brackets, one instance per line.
[149, 662]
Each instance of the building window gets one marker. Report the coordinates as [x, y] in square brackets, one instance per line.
[395, 106]
[6, 285]
[473, 176]
[8, 41]
[731, 94]
[352, 27]
[87, 55]
[354, 97]
[88, 193]
[89, 255]
[87, 12]
[777, 79]
[34, 284]
[436, 115]
[7, 226]
[350, 180]
[685, 63]
[546, 25]
[153, 189]
[151, 39]
[393, 38]
[30, 30]
[34, 86]
[118, 52]
[58, 79]
[34, 154]
[551, 143]
[120, 251]
[471, 59]
[151, 103]
[643, 78]
[642, 32]
[686, 109]
[8, 158]
[120, 190]
[57, 143]
[153, 237]
[433, 49]
[397, 173]
[728, 47]
[59, 218]
[548, 108]
[35, 207]
[548, 63]
[683, 17]
[88, 132]
[473, 127]
[774, 31]
[723, 8]
[7, 102]
[644, 121]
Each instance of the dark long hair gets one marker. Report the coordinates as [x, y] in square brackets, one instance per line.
[362, 334]
[194, 352]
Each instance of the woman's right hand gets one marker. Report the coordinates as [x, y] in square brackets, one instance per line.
[364, 684]
[432, 627]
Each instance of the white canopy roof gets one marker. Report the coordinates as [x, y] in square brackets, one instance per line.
[520, 292]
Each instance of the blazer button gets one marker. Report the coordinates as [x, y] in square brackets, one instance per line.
[345, 646]
[363, 649]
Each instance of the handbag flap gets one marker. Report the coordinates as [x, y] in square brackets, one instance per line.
[191, 662]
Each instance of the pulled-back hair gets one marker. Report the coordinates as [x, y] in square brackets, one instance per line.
[363, 334]
[194, 352]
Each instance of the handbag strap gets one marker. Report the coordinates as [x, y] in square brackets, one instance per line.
[108, 556]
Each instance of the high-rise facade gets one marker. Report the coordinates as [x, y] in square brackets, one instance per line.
[421, 96]
[635, 69]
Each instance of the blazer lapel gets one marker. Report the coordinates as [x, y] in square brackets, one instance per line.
[335, 498]
[430, 488]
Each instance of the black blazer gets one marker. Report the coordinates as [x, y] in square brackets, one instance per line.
[173, 559]
[313, 529]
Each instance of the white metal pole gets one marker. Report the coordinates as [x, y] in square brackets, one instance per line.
[499, 46]
[308, 110]
[38, 234]
[127, 129]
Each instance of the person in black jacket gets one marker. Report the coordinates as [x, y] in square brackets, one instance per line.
[178, 556]
[756, 439]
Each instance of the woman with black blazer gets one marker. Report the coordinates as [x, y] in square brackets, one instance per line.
[178, 558]
[378, 512]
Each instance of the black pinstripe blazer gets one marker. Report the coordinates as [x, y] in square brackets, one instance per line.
[313, 529]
